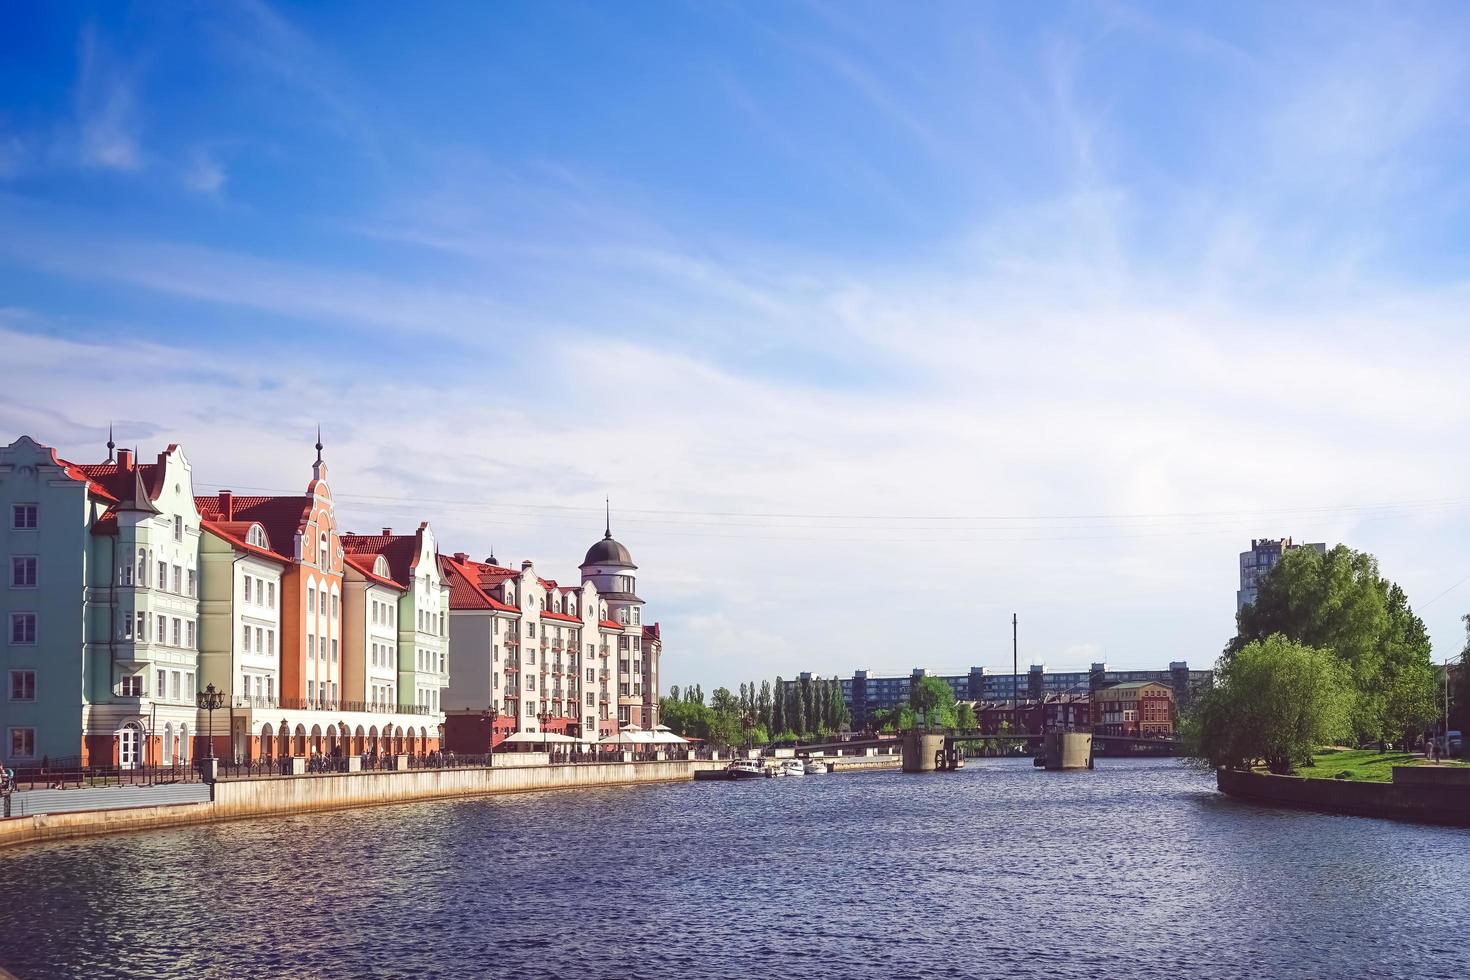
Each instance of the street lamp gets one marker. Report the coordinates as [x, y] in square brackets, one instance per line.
[210, 700]
[491, 714]
[545, 717]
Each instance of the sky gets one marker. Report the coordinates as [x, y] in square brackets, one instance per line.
[876, 322]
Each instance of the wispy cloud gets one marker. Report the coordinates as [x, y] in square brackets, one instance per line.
[106, 111]
[203, 173]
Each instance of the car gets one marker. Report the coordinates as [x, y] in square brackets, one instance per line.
[1454, 744]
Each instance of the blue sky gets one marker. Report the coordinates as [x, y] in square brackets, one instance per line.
[877, 321]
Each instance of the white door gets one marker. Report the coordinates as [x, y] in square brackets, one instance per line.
[129, 747]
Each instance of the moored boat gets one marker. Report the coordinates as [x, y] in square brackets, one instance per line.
[744, 769]
[814, 768]
[793, 767]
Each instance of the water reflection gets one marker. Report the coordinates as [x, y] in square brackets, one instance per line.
[998, 870]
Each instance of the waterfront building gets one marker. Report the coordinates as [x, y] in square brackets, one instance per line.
[531, 655]
[100, 608]
[866, 693]
[309, 714]
[1068, 712]
[1260, 559]
[1136, 708]
[609, 566]
[414, 656]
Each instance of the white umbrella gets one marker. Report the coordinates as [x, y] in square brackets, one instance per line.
[537, 738]
[666, 737]
[627, 738]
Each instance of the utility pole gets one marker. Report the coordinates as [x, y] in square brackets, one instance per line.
[1015, 671]
[1445, 745]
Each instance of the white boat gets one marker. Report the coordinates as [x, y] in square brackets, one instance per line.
[793, 767]
[744, 769]
[774, 771]
[813, 768]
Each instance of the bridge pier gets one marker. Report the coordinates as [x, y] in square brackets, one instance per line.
[1068, 750]
[923, 752]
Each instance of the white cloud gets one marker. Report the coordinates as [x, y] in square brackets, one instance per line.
[107, 125]
[203, 173]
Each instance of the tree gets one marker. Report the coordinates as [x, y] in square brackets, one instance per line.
[795, 716]
[778, 707]
[933, 700]
[763, 706]
[674, 692]
[1276, 700]
[1338, 602]
[841, 715]
[964, 715]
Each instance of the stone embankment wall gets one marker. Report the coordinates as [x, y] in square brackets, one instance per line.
[242, 798]
[1420, 793]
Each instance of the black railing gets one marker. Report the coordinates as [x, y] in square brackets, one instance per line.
[387, 762]
[69, 773]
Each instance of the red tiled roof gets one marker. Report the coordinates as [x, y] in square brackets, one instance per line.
[401, 550]
[106, 524]
[651, 632]
[80, 474]
[562, 617]
[470, 582]
[608, 624]
[365, 563]
[230, 532]
[282, 517]
[118, 482]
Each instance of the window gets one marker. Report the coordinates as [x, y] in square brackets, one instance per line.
[126, 573]
[162, 575]
[22, 743]
[189, 634]
[177, 686]
[178, 528]
[22, 685]
[311, 600]
[259, 639]
[23, 572]
[531, 630]
[334, 649]
[589, 701]
[322, 649]
[270, 688]
[334, 605]
[178, 580]
[310, 690]
[178, 633]
[24, 517]
[270, 642]
[270, 594]
[530, 682]
[160, 689]
[322, 556]
[23, 628]
[247, 588]
[255, 536]
[193, 582]
[245, 638]
[245, 684]
[132, 686]
[142, 567]
[589, 675]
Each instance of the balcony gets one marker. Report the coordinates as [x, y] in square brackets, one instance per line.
[328, 704]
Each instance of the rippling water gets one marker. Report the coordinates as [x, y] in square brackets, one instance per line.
[1135, 868]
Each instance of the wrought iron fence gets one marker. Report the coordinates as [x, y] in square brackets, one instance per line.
[70, 773]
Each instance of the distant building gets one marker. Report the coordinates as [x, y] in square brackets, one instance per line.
[866, 694]
[1263, 556]
[1139, 708]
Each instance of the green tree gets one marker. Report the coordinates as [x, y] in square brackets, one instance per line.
[778, 707]
[1338, 601]
[964, 716]
[933, 701]
[1275, 700]
[673, 692]
[795, 716]
[841, 715]
[763, 705]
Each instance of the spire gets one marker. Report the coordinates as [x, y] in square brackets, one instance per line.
[491, 560]
[138, 500]
[607, 535]
[318, 442]
[110, 444]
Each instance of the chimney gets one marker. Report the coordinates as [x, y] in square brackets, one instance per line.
[387, 531]
[526, 565]
[227, 505]
[461, 556]
[125, 459]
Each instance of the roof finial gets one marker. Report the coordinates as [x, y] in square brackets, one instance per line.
[318, 442]
[491, 560]
[607, 535]
[110, 444]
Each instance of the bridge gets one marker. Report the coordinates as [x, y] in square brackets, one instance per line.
[1107, 746]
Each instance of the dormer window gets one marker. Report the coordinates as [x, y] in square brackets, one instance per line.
[256, 536]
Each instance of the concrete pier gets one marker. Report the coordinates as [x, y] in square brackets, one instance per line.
[922, 752]
[1067, 750]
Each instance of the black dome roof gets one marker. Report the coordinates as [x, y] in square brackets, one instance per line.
[608, 552]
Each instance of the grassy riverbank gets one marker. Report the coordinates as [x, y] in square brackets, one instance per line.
[1364, 764]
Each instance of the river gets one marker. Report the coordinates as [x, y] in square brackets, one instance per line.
[1137, 868]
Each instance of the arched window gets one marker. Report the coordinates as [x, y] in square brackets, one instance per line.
[142, 567]
[256, 536]
[322, 558]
